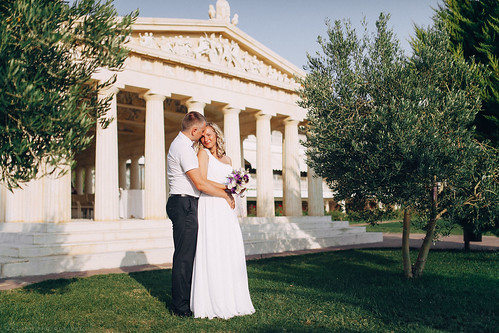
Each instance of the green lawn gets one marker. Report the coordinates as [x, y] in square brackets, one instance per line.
[344, 291]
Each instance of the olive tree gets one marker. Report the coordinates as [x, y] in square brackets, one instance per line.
[393, 129]
[48, 52]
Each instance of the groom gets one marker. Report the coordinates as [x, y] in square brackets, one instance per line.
[186, 183]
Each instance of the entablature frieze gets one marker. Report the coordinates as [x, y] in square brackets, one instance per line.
[192, 73]
[211, 53]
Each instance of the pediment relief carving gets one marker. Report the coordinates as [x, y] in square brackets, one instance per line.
[214, 49]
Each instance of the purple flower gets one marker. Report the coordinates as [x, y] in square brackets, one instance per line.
[237, 181]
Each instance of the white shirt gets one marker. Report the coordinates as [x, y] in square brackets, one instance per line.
[181, 158]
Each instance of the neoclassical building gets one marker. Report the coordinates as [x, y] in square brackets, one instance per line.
[180, 65]
[174, 66]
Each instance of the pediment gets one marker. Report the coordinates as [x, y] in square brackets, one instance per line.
[215, 46]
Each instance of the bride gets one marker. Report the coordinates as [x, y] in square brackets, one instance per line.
[219, 278]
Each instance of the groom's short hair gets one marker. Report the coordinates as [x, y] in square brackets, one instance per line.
[191, 119]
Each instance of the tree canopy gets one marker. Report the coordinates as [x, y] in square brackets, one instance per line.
[393, 129]
[473, 28]
[48, 52]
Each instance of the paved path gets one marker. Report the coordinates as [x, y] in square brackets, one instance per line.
[489, 243]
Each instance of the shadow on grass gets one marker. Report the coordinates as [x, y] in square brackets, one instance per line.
[158, 283]
[51, 287]
[372, 283]
[344, 291]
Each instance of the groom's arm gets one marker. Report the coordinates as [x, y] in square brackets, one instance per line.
[204, 185]
[218, 185]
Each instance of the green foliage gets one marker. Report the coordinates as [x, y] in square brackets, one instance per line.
[382, 126]
[473, 28]
[48, 52]
[337, 215]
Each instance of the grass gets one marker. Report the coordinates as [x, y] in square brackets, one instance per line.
[346, 291]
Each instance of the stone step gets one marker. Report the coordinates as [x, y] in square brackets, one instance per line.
[83, 225]
[161, 237]
[33, 251]
[107, 233]
[7, 259]
[296, 226]
[286, 219]
[33, 238]
[65, 263]
[45, 248]
[297, 233]
[283, 245]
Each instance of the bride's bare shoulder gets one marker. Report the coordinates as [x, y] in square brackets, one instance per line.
[202, 153]
[226, 159]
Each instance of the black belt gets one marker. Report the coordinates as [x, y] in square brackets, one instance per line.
[183, 196]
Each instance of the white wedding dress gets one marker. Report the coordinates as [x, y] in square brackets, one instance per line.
[219, 278]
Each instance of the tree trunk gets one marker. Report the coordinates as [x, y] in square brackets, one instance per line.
[418, 268]
[406, 257]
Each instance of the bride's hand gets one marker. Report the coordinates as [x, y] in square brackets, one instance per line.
[230, 200]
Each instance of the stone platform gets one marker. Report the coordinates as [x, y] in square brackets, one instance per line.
[30, 249]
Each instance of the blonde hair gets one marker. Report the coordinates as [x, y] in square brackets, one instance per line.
[220, 142]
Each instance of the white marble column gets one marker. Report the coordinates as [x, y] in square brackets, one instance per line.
[233, 148]
[327, 206]
[232, 135]
[155, 159]
[134, 174]
[24, 204]
[122, 173]
[57, 197]
[241, 149]
[264, 178]
[106, 164]
[315, 195]
[193, 105]
[89, 180]
[291, 169]
[79, 180]
[243, 205]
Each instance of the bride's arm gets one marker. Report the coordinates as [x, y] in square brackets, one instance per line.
[203, 163]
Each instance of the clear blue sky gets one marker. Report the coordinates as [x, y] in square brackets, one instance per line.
[290, 27]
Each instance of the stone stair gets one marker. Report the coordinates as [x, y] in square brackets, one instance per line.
[279, 234]
[28, 249]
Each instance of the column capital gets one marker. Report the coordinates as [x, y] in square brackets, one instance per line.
[153, 97]
[110, 90]
[195, 105]
[231, 110]
[263, 115]
[291, 121]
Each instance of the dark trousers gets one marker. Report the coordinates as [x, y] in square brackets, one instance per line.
[183, 212]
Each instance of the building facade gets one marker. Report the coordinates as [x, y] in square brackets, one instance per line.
[176, 66]
[119, 184]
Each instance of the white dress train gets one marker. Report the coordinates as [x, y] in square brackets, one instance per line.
[219, 278]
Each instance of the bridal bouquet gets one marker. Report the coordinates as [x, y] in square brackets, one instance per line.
[237, 181]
